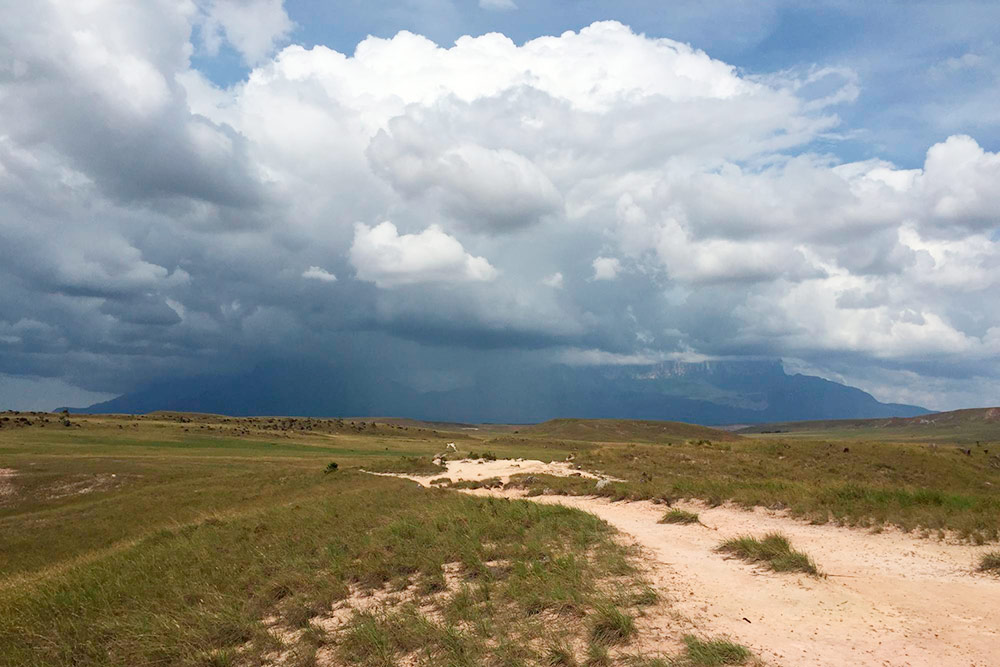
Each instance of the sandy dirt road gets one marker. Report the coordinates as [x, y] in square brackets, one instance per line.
[890, 598]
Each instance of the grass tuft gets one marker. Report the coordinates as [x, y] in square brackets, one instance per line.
[990, 562]
[680, 516]
[774, 550]
[558, 655]
[597, 655]
[646, 596]
[611, 625]
[714, 652]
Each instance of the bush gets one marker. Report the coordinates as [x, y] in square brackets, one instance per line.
[330, 467]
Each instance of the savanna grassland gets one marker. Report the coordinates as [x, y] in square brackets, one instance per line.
[199, 540]
[206, 540]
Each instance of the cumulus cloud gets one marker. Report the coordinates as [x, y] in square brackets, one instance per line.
[554, 281]
[606, 268]
[253, 27]
[320, 274]
[140, 203]
[383, 256]
[489, 189]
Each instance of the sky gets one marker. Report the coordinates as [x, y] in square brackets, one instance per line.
[428, 188]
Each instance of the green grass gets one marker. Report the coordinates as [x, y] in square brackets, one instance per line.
[911, 486]
[679, 516]
[154, 545]
[407, 465]
[611, 625]
[207, 584]
[625, 430]
[159, 541]
[990, 562]
[773, 550]
[714, 652]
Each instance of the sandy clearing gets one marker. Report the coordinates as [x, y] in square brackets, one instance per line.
[891, 598]
[477, 469]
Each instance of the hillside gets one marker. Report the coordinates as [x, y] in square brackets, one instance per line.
[626, 430]
[958, 426]
[715, 392]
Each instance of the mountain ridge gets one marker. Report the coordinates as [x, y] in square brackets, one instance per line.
[710, 393]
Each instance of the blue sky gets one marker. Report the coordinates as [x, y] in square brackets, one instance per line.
[193, 186]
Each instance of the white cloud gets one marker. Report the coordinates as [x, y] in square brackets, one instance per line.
[575, 356]
[554, 281]
[253, 27]
[498, 5]
[317, 273]
[480, 187]
[606, 268]
[383, 256]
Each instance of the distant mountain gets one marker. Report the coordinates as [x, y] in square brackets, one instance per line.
[711, 393]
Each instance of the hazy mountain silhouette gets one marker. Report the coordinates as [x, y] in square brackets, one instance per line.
[728, 392]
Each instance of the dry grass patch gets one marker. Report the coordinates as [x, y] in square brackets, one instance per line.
[714, 652]
[680, 517]
[990, 562]
[773, 550]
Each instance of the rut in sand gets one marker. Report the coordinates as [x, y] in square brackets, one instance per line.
[890, 598]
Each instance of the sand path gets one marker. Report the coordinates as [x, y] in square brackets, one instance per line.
[890, 598]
